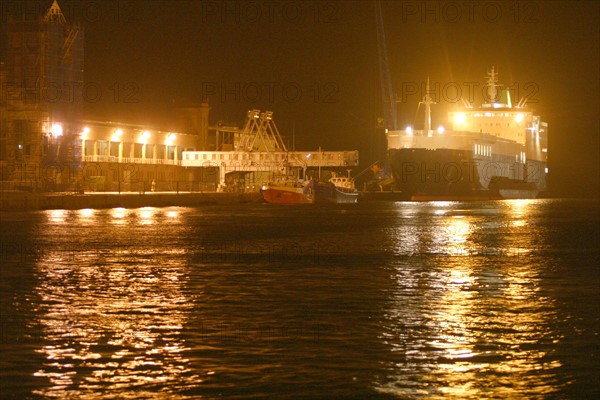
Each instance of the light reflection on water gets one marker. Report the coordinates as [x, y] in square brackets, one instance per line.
[406, 300]
[112, 320]
[119, 216]
[57, 216]
[467, 316]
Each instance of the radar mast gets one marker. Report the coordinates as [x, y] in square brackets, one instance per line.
[492, 85]
[427, 101]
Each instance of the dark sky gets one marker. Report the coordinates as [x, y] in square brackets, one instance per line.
[315, 64]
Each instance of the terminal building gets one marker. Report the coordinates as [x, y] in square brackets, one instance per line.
[47, 144]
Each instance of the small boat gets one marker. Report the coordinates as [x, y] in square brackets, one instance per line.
[288, 191]
[345, 190]
[293, 191]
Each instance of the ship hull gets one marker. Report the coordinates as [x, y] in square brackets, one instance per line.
[344, 197]
[455, 175]
[312, 192]
[287, 195]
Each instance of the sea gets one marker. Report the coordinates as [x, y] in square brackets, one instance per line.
[375, 300]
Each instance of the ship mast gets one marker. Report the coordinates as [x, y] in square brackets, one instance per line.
[492, 84]
[427, 101]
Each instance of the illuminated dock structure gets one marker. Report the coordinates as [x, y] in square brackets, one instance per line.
[46, 144]
[139, 155]
[259, 147]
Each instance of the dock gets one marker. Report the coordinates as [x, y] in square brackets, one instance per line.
[24, 201]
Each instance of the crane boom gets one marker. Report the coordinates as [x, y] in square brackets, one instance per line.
[388, 99]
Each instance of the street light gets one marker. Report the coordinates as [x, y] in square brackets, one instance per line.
[56, 130]
[144, 140]
[84, 136]
[170, 139]
[144, 137]
[116, 136]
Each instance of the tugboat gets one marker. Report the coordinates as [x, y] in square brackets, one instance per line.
[494, 151]
[345, 189]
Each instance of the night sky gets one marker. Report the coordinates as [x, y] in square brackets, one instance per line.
[315, 64]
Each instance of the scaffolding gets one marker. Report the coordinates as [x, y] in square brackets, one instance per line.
[43, 91]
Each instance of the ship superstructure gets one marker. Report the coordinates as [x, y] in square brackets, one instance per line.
[494, 151]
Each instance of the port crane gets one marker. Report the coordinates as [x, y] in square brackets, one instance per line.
[388, 98]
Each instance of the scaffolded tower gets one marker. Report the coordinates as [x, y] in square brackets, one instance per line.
[43, 99]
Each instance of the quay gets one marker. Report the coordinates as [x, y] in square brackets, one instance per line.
[25, 201]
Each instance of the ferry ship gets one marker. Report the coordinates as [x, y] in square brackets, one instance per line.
[494, 151]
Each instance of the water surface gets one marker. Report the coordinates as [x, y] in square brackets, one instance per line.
[462, 300]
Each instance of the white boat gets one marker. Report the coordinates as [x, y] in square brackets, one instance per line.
[345, 189]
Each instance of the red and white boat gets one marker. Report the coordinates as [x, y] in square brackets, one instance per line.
[288, 192]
